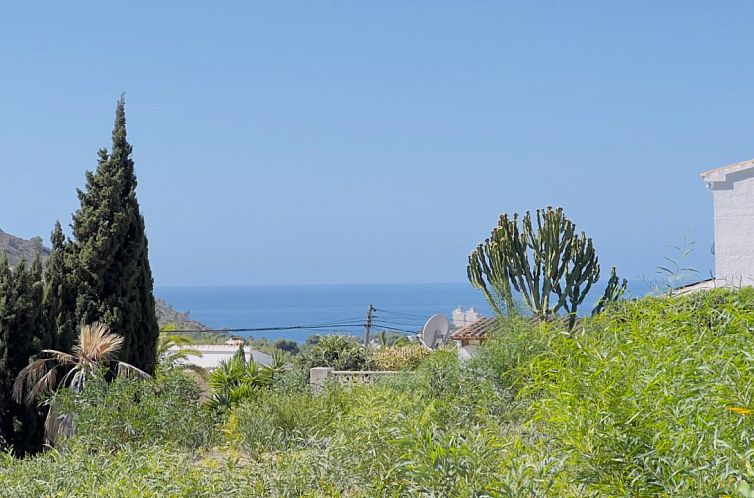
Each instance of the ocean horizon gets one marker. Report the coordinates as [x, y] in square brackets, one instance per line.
[332, 308]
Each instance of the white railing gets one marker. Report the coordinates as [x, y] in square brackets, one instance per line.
[320, 375]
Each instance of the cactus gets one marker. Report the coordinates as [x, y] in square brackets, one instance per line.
[548, 263]
[614, 291]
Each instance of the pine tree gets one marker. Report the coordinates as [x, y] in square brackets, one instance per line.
[60, 293]
[112, 274]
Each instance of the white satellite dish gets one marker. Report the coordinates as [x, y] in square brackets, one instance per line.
[435, 331]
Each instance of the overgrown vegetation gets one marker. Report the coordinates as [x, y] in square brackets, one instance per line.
[651, 398]
[339, 352]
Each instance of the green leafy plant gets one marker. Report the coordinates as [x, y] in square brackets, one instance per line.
[235, 380]
[338, 352]
[403, 357]
[163, 410]
[674, 272]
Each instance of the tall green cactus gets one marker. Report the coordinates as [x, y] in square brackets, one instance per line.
[548, 263]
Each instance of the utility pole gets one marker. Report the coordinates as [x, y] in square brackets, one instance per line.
[368, 325]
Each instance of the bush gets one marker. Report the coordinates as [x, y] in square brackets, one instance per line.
[237, 379]
[407, 357]
[281, 420]
[164, 410]
[288, 346]
[338, 352]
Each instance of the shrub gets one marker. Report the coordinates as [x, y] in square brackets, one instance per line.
[407, 357]
[163, 410]
[338, 352]
[237, 379]
[280, 420]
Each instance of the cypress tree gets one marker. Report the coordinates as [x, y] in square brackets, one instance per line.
[60, 293]
[24, 334]
[113, 277]
[6, 300]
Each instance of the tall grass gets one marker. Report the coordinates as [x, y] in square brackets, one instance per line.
[644, 401]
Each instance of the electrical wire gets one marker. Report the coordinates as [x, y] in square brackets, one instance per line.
[400, 322]
[415, 316]
[387, 323]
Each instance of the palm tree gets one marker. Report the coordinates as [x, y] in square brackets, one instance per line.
[96, 349]
[167, 355]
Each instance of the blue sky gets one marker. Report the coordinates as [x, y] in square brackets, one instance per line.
[361, 142]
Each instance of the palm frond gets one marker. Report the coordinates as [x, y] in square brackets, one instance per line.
[182, 354]
[45, 385]
[62, 357]
[51, 425]
[177, 340]
[28, 377]
[97, 343]
[128, 370]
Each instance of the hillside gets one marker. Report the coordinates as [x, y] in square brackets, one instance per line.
[167, 315]
[17, 248]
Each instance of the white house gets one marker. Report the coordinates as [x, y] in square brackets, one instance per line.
[732, 189]
[214, 354]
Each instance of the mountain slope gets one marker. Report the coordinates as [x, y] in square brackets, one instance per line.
[17, 248]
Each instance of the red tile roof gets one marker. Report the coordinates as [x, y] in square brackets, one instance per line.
[481, 328]
[478, 330]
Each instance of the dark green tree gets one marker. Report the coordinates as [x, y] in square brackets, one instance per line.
[112, 274]
[60, 292]
[287, 346]
[23, 333]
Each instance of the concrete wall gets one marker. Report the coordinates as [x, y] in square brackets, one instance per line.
[734, 228]
[318, 376]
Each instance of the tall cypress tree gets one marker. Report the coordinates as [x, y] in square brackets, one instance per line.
[22, 335]
[113, 277]
[60, 292]
[6, 302]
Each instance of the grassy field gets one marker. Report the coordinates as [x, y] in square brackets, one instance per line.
[652, 398]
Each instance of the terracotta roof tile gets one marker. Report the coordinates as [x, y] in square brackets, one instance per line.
[481, 328]
[477, 330]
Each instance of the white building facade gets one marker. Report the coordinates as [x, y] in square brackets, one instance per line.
[461, 318]
[732, 189]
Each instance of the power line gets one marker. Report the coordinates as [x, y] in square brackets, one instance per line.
[400, 322]
[394, 329]
[416, 316]
[261, 329]
[387, 323]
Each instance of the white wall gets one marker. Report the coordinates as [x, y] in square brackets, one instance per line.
[734, 228]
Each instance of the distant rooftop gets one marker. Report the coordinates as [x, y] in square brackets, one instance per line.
[480, 329]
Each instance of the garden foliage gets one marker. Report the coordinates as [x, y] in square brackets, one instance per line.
[652, 398]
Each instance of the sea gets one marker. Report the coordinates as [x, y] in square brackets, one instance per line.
[297, 311]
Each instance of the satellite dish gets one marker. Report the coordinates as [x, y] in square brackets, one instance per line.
[435, 330]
